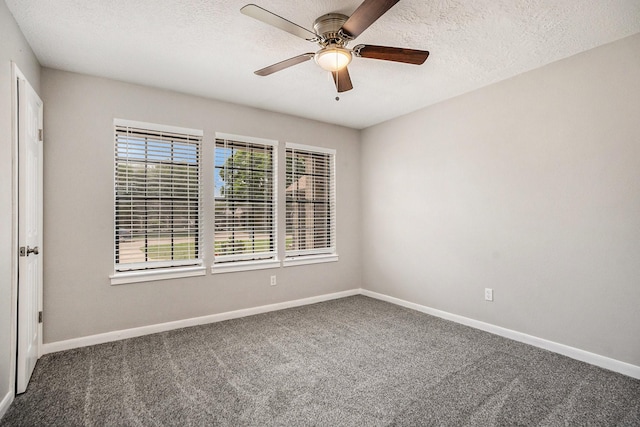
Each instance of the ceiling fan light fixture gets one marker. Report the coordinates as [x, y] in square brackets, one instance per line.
[333, 58]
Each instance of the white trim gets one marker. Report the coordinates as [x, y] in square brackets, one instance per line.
[15, 75]
[572, 352]
[123, 277]
[276, 191]
[311, 148]
[249, 139]
[229, 267]
[309, 259]
[310, 252]
[5, 403]
[157, 127]
[249, 257]
[195, 321]
[151, 265]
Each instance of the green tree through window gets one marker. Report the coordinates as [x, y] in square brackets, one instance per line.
[245, 202]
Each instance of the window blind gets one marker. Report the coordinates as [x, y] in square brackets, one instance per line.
[245, 200]
[157, 197]
[310, 201]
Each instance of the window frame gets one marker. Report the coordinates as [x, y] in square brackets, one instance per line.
[328, 253]
[254, 260]
[158, 270]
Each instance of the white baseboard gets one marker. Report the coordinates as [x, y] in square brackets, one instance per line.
[572, 352]
[5, 403]
[162, 327]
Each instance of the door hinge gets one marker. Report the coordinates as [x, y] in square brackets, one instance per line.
[22, 251]
[40, 135]
[39, 317]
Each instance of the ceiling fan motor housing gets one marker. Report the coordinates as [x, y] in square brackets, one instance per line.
[328, 27]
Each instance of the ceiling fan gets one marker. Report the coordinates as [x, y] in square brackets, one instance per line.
[333, 32]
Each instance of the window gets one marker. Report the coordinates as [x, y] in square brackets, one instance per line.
[310, 201]
[245, 200]
[157, 197]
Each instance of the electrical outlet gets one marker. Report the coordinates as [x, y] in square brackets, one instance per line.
[273, 280]
[488, 294]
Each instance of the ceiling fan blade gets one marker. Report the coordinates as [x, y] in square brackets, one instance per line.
[365, 15]
[272, 19]
[396, 54]
[284, 64]
[342, 80]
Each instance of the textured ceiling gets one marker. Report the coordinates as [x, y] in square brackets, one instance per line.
[208, 48]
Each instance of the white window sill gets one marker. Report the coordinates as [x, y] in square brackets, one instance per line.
[122, 277]
[228, 267]
[309, 259]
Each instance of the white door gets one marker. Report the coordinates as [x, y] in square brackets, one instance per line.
[29, 231]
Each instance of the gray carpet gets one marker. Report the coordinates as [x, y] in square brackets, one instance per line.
[349, 362]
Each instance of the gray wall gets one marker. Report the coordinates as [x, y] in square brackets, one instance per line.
[531, 187]
[78, 206]
[13, 47]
